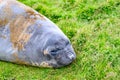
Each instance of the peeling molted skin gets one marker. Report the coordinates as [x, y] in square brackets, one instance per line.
[27, 37]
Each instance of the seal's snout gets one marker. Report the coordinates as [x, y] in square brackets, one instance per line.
[65, 57]
[59, 49]
[71, 56]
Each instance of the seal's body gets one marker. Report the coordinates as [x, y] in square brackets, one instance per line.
[27, 37]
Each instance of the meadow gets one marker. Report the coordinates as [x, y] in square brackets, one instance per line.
[93, 26]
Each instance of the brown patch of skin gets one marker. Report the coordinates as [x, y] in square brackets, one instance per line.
[3, 22]
[45, 64]
[18, 28]
[45, 52]
[6, 17]
[17, 60]
[37, 15]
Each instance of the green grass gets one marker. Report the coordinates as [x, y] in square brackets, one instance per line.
[93, 27]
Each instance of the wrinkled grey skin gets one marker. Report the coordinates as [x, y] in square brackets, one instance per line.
[47, 47]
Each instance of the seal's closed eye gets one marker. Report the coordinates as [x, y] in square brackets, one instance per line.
[54, 52]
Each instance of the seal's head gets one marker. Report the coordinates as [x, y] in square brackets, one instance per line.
[50, 46]
[59, 51]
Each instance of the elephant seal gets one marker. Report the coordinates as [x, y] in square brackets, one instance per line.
[27, 37]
